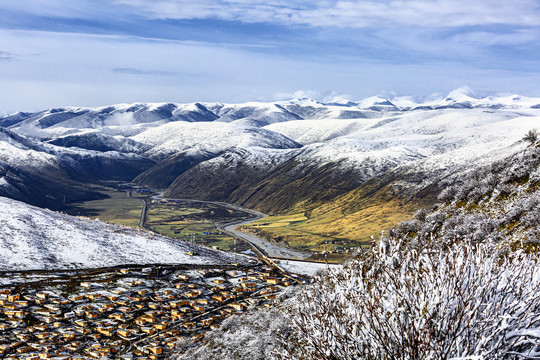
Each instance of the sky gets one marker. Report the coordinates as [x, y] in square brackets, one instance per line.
[57, 53]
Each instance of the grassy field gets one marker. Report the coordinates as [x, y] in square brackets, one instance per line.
[337, 227]
[116, 209]
[182, 221]
[194, 221]
[341, 225]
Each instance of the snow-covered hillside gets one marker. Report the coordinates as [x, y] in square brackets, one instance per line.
[452, 136]
[499, 202]
[284, 141]
[34, 238]
[44, 174]
[217, 137]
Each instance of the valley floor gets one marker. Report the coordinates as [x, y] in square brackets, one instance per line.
[209, 223]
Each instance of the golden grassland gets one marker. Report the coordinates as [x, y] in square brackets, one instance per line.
[348, 221]
[339, 225]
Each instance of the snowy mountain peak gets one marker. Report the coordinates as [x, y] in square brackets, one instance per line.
[464, 93]
[60, 121]
[376, 103]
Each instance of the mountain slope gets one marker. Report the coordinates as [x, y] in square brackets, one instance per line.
[47, 175]
[286, 157]
[214, 137]
[497, 202]
[432, 143]
[33, 238]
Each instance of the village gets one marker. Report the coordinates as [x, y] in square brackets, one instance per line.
[129, 312]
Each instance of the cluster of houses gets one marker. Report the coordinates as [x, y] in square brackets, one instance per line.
[340, 246]
[171, 202]
[129, 189]
[133, 314]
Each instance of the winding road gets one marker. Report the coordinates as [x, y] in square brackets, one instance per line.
[265, 247]
[269, 248]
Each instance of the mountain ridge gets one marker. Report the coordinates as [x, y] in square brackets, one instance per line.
[279, 157]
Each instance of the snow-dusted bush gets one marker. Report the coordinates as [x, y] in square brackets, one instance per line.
[411, 226]
[498, 202]
[531, 136]
[515, 172]
[490, 181]
[421, 214]
[533, 237]
[534, 177]
[251, 336]
[469, 302]
[436, 218]
[447, 194]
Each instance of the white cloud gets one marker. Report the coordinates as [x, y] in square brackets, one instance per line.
[59, 69]
[326, 96]
[134, 71]
[298, 94]
[57, 8]
[354, 14]
[316, 13]
[5, 56]
[335, 97]
[516, 37]
[123, 119]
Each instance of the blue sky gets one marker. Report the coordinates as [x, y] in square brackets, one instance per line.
[97, 52]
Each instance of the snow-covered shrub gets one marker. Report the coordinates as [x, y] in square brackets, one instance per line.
[497, 166]
[436, 218]
[504, 189]
[531, 219]
[250, 336]
[533, 237]
[410, 226]
[421, 214]
[515, 172]
[447, 194]
[534, 177]
[531, 136]
[398, 303]
[466, 188]
[490, 181]
[477, 193]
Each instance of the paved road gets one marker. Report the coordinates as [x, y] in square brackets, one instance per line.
[268, 248]
[143, 214]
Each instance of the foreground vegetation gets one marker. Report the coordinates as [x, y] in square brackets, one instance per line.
[459, 281]
[394, 303]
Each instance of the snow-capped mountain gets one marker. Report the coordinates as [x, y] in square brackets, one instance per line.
[214, 137]
[45, 175]
[277, 151]
[34, 238]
